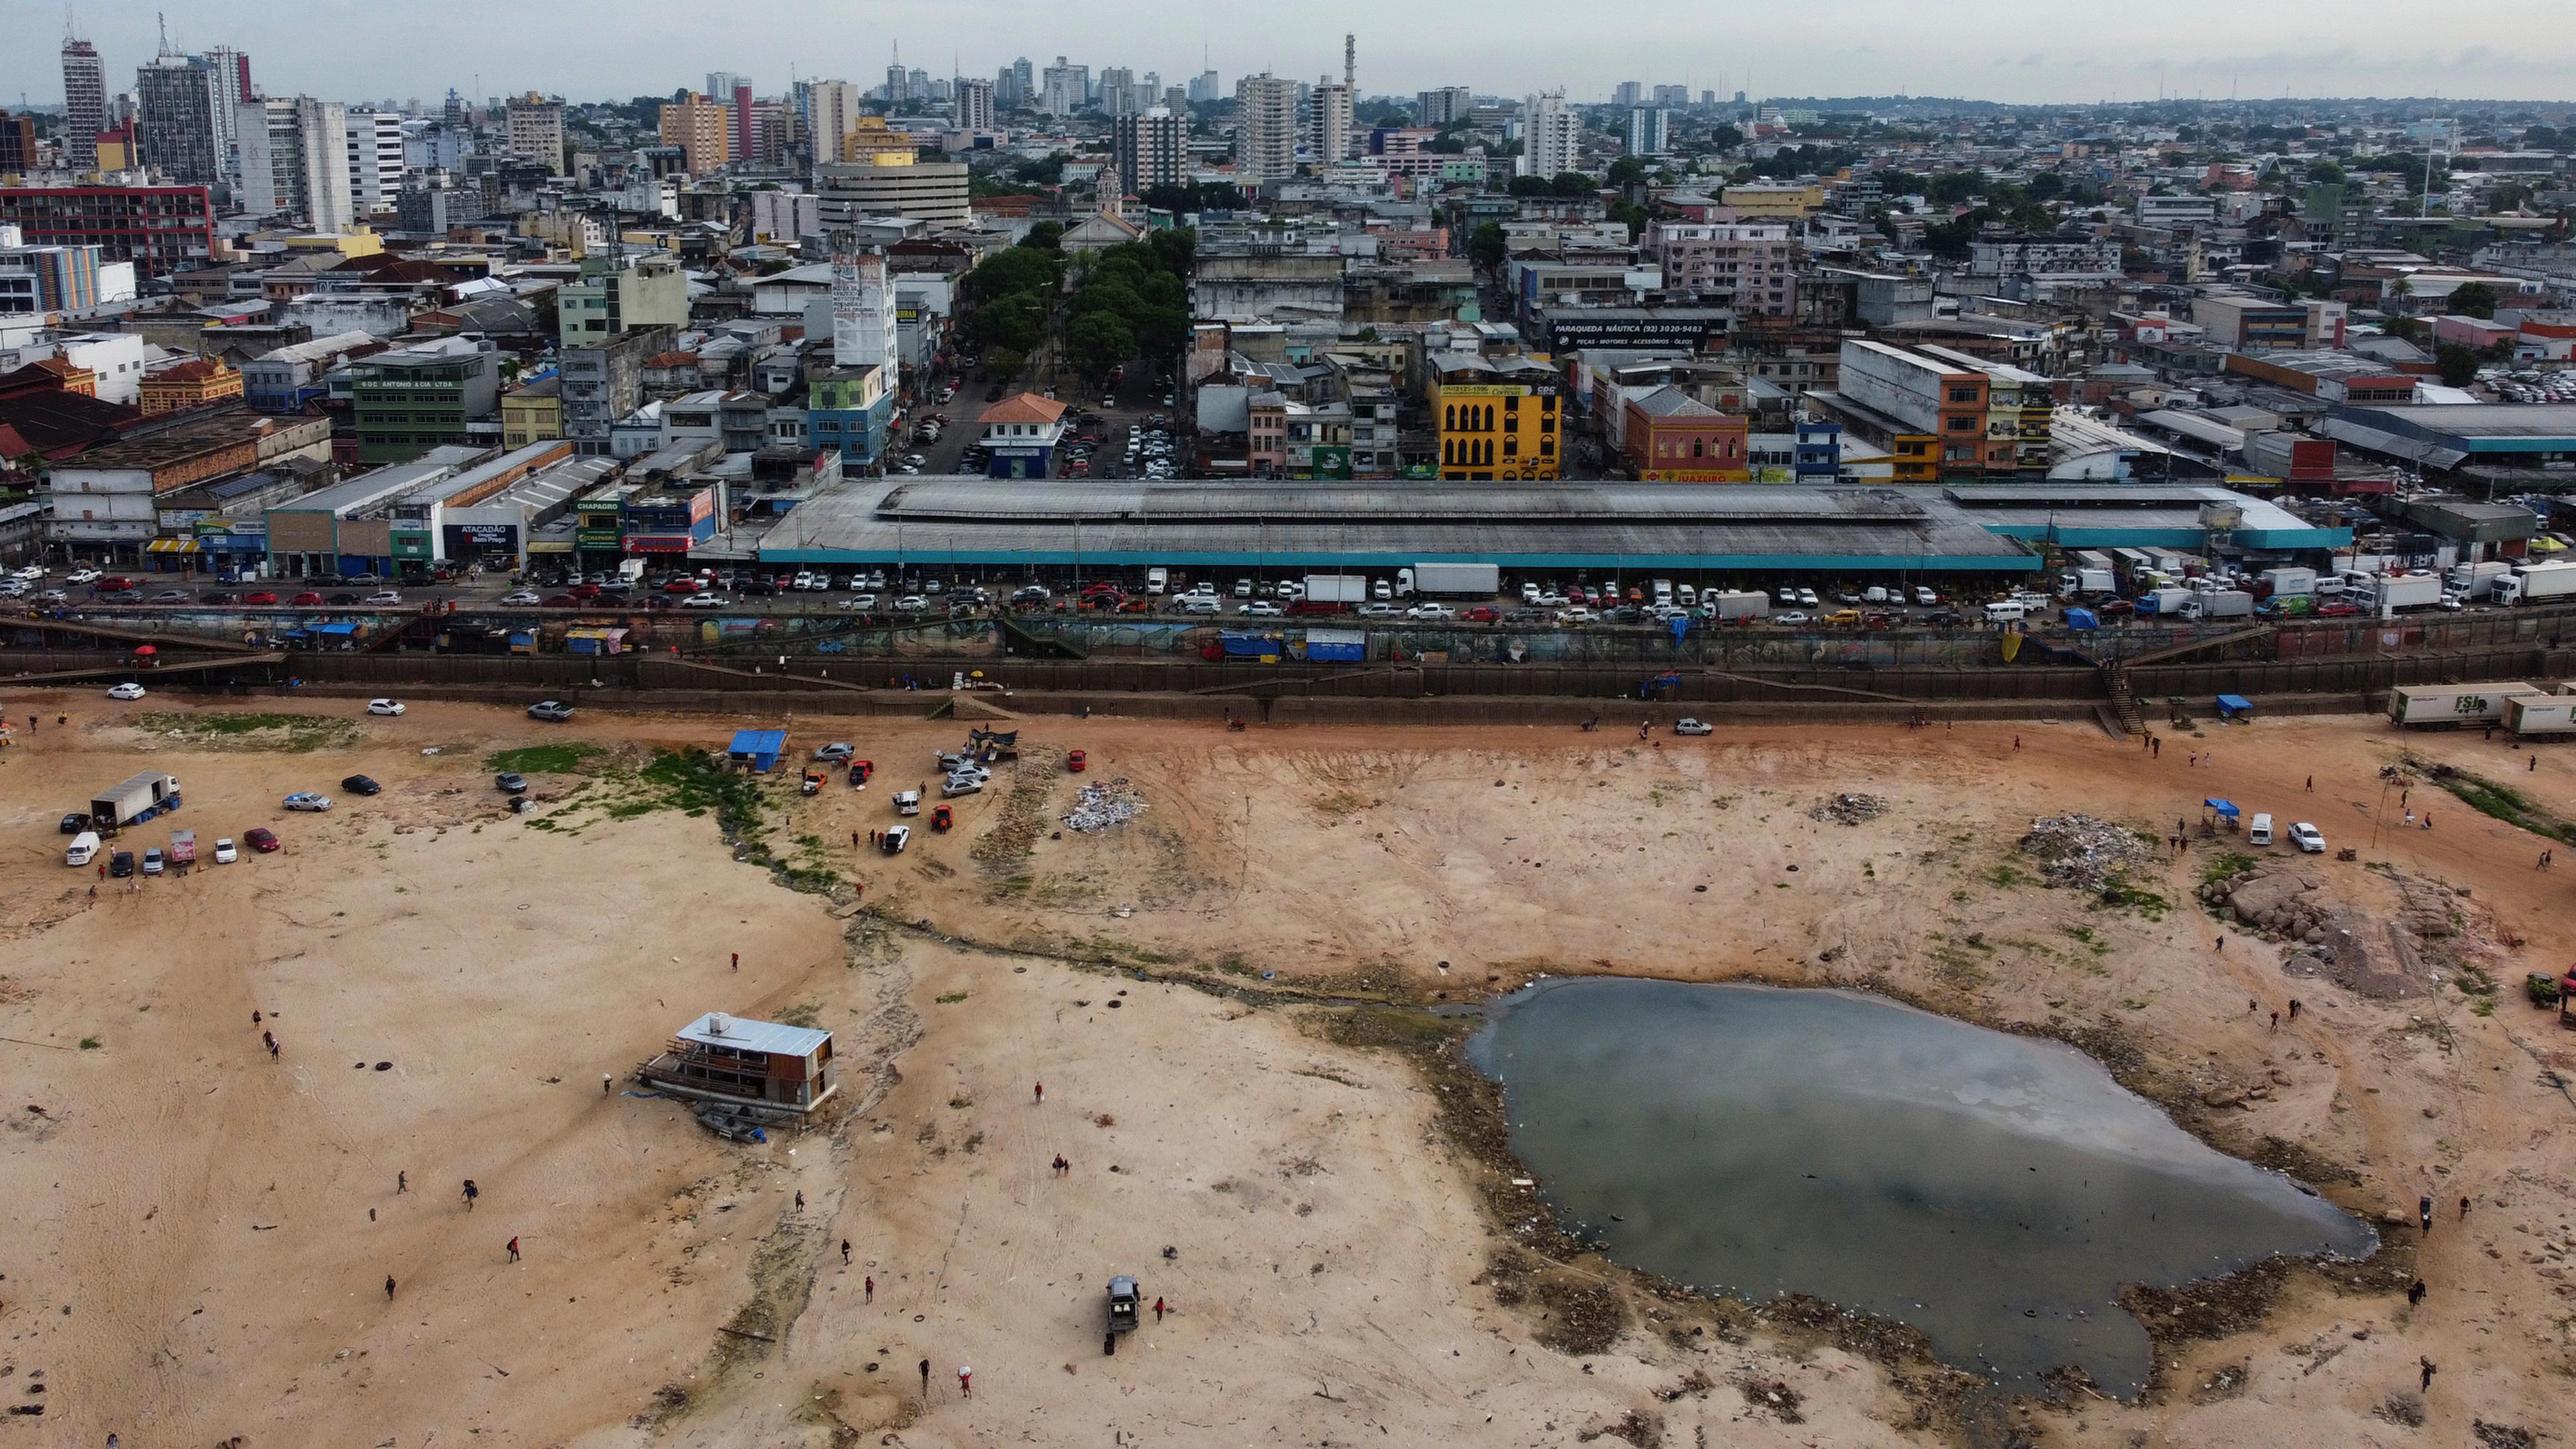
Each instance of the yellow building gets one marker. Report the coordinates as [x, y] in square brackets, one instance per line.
[357, 241]
[188, 385]
[532, 414]
[1783, 200]
[1498, 417]
[701, 128]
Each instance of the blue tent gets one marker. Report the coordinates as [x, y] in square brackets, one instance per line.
[2235, 706]
[2223, 809]
[2082, 619]
[759, 749]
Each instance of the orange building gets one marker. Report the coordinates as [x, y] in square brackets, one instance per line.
[1671, 437]
[189, 385]
[703, 129]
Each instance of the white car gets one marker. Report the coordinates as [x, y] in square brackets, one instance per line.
[702, 601]
[1807, 598]
[1263, 609]
[384, 706]
[1378, 611]
[522, 596]
[384, 596]
[912, 601]
[1924, 597]
[2307, 838]
[307, 800]
[1198, 604]
[1575, 615]
[127, 690]
[1791, 617]
[84, 576]
[1429, 611]
[225, 853]
[1688, 725]
[860, 601]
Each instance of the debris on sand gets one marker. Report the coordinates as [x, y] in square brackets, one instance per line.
[1848, 809]
[2081, 851]
[1113, 802]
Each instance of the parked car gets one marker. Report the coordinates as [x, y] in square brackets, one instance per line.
[384, 706]
[894, 840]
[1429, 611]
[362, 785]
[384, 596]
[260, 838]
[550, 709]
[2308, 838]
[702, 601]
[1262, 609]
[152, 863]
[121, 864]
[1482, 614]
[171, 596]
[307, 800]
[259, 596]
[74, 824]
[521, 597]
[836, 753]
[84, 576]
[1791, 617]
[510, 784]
[127, 690]
[225, 853]
[1688, 725]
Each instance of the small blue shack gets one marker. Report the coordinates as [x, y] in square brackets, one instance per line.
[758, 749]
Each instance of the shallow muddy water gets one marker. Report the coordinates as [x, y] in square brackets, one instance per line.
[1993, 1190]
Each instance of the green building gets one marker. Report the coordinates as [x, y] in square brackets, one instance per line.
[410, 400]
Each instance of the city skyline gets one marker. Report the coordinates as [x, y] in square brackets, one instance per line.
[1983, 51]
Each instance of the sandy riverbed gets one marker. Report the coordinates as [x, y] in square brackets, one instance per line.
[203, 1236]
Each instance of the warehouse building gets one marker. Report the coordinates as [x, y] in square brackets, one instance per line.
[2489, 446]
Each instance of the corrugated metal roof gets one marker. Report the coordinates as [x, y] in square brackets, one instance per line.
[746, 1035]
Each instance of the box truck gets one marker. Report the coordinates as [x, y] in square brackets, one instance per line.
[2286, 582]
[2531, 582]
[2086, 581]
[2219, 604]
[139, 799]
[2453, 704]
[2164, 603]
[2476, 580]
[1331, 594]
[2389, 592]
[1450, 580]
[1738, 605]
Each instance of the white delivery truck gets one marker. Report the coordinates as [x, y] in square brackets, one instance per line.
[2290, 582]
[2476, 581]
[2529, 583]
[2086, 581]
[1737, 605]
[2540, 716]
[2391, 592]
[1331, 594]
[2219, 604]
[1450, 580]
[1157, 580]
[2454, 704]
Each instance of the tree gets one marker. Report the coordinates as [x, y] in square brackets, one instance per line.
[1529, 186]
[2323, 172]
[1024, 268]
[1098, 342]
[1013, 321]
[1633, 216]
[2473, 299]
[1572, 183]
[2457, 364]
[1487, 248]
[1725, 138]
[1046, 236]
[1625, 172]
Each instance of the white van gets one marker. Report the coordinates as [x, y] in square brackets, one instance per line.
[1157, 580]
[84, 848]
[2016, 609]
[2259, 831]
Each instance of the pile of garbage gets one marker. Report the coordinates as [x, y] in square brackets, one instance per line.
[2081, 851]
[1848, 809]
[1099, 806]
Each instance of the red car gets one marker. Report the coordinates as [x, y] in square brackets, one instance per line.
[1482, 614]
[262, 596]
[563, 601]
[305, 600]
[260, 838]
[2338, 609]
[675, 586]
[591, 591]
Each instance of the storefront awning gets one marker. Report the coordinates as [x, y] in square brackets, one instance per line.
[171, 545]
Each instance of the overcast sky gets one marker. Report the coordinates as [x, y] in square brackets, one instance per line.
[2009, 50]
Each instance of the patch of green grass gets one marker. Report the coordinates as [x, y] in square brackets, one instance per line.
[2004, 877]
[557, 759]
[952, 998]
[89, 1044]
[2120, 894]
[806, 1014]
[2504, 803]
[293, 733]
[2131, 1003]
[2232, 864]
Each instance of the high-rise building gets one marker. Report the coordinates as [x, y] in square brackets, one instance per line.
[898, 84]
[701, 129]
[537, 130]
[1175, 99]
[1265, 128]
[742, 124]
[720, 83]
[1206, 87]
[880, 174]
[1117, 88]
[232, 87]
[17, 144]
[917, 86]
[161, 229]
[863, 315]
[1064, 89]
[1672, 98]
[1551, 136]
[375, 160]
[1629, 93]
[1328, 121]
[84, 103]
[831, 109]
[1444, 107]
[974, 105]
[1649, 130]
[295, 161]
[182, 132]
[1151, 149]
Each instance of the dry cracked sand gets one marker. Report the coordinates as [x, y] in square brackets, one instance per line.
[201, 1237]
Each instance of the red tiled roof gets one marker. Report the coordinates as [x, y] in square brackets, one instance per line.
[672, 359]
[1025, 407]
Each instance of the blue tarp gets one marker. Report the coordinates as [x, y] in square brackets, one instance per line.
[342, 630]
[2232, 705]
[2082, 619]
[757, 748]
[2226, 808]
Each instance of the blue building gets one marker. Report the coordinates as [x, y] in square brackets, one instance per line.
[1020, 436]
[851, 410]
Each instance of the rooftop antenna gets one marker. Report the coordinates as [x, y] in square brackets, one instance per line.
[163, 20]
[71, 27]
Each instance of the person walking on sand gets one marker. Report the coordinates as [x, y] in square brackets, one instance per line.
[2424, 1212]
[1061, 1166]
[514, 1250]
[272, 1050]
[2312, 784]
[2428, 819]
[402, 1182]
[1041, 1091]
[871, 1288]
[845, 1255]
[389, 1287]
[604, 1081]
[800, 1197]
[2464, 1209]
[2427, 1365]
[2294, 1008]
[1158, 1310]
[2415, 1293]
[2276, 1021]
[925, 1378]
[471, 1193]
[965, 1382]
[737, 960]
